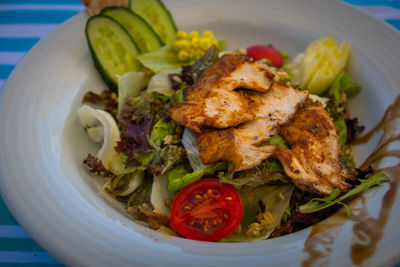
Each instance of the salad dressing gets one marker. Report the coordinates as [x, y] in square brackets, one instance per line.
[367, 229]
[323, 235]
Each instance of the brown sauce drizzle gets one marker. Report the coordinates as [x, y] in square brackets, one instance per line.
[316, 256]
[367, 229]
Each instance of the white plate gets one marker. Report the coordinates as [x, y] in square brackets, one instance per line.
[42, 145]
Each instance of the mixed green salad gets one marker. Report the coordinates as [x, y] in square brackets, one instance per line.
[151, 163]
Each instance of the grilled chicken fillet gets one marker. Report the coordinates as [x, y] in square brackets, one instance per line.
[213, 102]
[313, 162]
[242, 145]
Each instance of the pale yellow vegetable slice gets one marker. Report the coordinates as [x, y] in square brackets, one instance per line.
[320, 64]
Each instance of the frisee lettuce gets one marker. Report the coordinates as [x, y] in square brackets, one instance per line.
[317, 204]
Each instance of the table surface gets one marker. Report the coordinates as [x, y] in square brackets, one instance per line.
[22, 24]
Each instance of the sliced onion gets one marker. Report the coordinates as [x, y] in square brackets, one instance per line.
[101, 127]
[189, 141]
[160, 194]
[134, 180]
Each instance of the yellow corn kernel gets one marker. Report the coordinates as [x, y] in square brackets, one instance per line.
[208, 34]
[242, 51]
[215, 42]
[183, 55]
[195, 42]
[178, 45]
[185, 44]
[194, 34]
[181, 35]
[199, 53]
[204, 43]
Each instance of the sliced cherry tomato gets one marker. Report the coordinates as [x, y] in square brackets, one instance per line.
[258, 52]
[206, 210]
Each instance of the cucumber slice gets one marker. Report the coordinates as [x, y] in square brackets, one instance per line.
[157, 16]
[141, 32]
[113, 50]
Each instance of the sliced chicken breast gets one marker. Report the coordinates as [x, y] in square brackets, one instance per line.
[213, 100]
[313, 162]
[242, 145]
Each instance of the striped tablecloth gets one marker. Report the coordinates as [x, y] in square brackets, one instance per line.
[22, 24]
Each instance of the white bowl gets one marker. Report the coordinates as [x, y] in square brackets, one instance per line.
[64, 209]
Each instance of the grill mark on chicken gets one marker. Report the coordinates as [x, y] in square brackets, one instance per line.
[313, 163]
[242, 145]
[213, 101]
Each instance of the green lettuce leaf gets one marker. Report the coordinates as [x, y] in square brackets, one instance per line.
[341, 131]
[161, 84]
[180, 93]
[182, 175]
[268, 171]
[171, 155]
[353, 89]
[128, 183]
[317, 204]
[160, 130]
[339, 86]
[129, 178]
[212, 168]
[285, 57]
[129, 85]
[119, 163]
[140, 195]
[348, 160]
[341, 126]
[278, 140]
[343, 84]
[164, 58]
[263, 209]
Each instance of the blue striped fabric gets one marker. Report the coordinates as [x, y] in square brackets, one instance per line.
[35, 16]
[22, 24]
